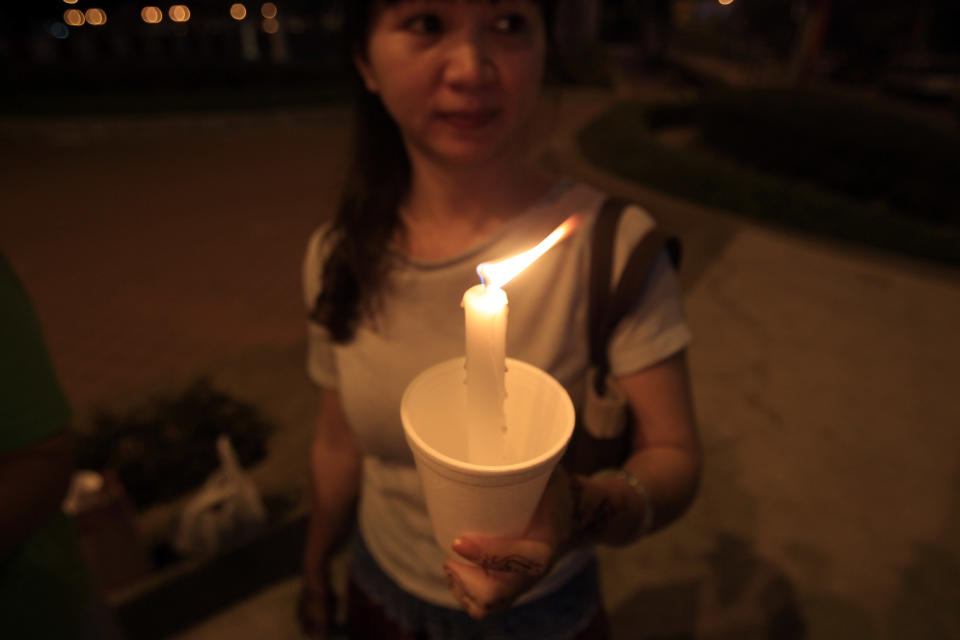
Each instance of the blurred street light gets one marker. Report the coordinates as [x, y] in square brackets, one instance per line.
[151, 15]
[179, 13]
[268, 10]
[271, 26]
[73, 17]
[725, 2]
[96, 17]
[238, 11]
[69, 2]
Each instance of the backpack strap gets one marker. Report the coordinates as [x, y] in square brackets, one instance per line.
[606, 308]
[601, 265]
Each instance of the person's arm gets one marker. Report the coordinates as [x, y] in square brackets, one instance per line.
[335, 467]
[578, 511]
[666, 461]
[33, 483]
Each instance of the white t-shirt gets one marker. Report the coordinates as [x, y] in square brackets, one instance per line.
[422, 324]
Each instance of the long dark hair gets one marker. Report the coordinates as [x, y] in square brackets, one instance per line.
[378, 180]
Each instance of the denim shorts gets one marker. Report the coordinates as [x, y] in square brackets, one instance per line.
[560, 615]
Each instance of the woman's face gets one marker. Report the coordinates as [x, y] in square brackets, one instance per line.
[460, 77]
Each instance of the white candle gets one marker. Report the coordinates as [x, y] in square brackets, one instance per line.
[485, 311]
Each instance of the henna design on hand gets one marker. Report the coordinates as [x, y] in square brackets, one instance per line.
[589, 521]
[598, 519]
[511, 564]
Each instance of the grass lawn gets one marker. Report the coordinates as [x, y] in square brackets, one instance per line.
[623, 142]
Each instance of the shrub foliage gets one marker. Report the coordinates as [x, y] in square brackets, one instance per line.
[753, 180]
[167, 447]
[844, 144]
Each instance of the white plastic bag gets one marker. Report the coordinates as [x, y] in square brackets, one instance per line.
[86, 490]
[225, 511]
[604, 417]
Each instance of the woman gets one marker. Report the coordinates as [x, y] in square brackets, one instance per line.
[438, 184]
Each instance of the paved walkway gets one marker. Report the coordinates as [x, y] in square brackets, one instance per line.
[824, 376]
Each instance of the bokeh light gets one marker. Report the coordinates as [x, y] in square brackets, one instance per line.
[268, 10]
[69, 2]
[271, 26]
[151, 15]
[59, 30]
[238, 11]
[73, 17]
[96, 17]
[725, 2]
[179, 13]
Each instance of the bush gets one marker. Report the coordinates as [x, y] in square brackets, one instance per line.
[621, 142]
[846, 145]
[167, 447]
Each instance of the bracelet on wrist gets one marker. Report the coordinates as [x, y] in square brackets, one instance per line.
[646, 522]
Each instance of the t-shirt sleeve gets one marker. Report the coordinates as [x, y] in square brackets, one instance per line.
[32, 404]
[321, 363]
[656, 328]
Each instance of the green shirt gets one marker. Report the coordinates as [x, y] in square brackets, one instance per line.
[44, 590]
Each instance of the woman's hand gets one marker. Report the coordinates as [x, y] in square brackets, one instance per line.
[335, 465]
[317, 606]
[316, 611]
[577, 510]
[505, 568]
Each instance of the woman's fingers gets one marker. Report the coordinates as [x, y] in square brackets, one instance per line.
[315, 612]
[481, 592]
[502, 571]
[510, 556]
[505, 568]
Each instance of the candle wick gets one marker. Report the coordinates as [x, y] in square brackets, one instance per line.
[483, 278]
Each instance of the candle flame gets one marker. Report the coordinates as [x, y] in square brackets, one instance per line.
[497, 274]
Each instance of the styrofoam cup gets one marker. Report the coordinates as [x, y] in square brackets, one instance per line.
[491, 500]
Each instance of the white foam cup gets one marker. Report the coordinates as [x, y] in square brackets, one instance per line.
[490, 500]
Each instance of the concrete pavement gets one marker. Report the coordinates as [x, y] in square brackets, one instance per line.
[823, 378]
[158, 250]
